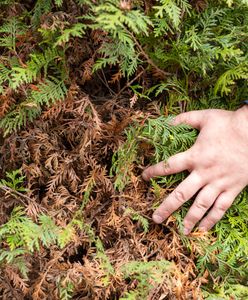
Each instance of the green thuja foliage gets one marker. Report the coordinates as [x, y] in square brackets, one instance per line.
[198, 53]
[135, 216]
[160, 134]
[9, 31]
[21, 232]
[122, 26]
[65, 290]
[121, 161]
[228, 291]
[14, 180]
[22, 235]
[148, 275]
[50, 91]
[105, 263]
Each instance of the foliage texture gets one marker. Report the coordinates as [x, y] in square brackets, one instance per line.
[75, 215]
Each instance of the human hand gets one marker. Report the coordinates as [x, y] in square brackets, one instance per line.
[218, 166]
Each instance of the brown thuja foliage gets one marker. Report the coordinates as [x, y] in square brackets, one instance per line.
[66, 161]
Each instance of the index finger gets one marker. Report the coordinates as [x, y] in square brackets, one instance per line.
[175, 164]
[185, 190]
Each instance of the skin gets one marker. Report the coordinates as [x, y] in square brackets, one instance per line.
[217, 163]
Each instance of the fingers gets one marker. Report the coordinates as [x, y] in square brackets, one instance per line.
[221, 205]
[194, 118]
[201, 205]
[174, 164]
[178, 197]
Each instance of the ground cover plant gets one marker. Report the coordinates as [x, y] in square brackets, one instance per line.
[87, 89]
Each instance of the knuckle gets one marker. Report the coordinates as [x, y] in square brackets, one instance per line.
[210, 221]
[179, 196]
[223, 206]
[193, 155]
[191, 219]
[166, 165]
[181, 118]
[185, 117]
[189, 223]
[201, 205]
[146, 174]
[200, 179]
[211, 159]
[189, 160]
[149, 172]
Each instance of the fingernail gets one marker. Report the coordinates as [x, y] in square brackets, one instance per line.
[186, 231]
[202, 229]
[157, 219]
[172, 121]
[144, 176]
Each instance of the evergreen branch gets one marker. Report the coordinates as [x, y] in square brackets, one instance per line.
[46, 93]
[33, 67]
[138, 217]
[227, 79]
[148, 59]
[20, 195]
[77, 30]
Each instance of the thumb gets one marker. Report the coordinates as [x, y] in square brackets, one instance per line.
[194, 118]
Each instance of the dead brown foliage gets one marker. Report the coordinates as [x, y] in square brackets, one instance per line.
[70, 146]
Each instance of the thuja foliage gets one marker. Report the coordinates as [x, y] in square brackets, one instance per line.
[190, 51]
[225, 253]
[137, 217]
[21, 235]
[166, 139]
[66, 291]
[14, 180]
[148, 275]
